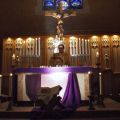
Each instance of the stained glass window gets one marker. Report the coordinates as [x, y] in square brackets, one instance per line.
[76, 4]
[48, 4]
[65, 4]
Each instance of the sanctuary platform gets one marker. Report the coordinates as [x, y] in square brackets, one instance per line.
[110, 112]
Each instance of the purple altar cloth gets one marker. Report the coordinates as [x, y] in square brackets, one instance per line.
[76, 69]
[72, 94]
[33, 83]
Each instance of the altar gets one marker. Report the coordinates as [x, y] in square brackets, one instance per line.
[71, 79]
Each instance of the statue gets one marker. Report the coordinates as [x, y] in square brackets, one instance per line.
[59, 27]
[55, 60]
[59, 58]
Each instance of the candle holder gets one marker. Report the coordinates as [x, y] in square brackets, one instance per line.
[91, 100]
[100, 101]
[0, 84]
[90, 96]
[9, 108]
[97, 59]
[15, 61]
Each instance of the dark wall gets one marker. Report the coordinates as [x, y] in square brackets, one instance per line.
[1, 47]
[111, 84]
[26, 17]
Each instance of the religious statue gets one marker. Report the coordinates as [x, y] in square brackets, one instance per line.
[55, 60]
[59, 58]
[60, 31]
[59, 27]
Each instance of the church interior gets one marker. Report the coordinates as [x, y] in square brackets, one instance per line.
[60, 59]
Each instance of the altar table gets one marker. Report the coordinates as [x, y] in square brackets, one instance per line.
[73, 80]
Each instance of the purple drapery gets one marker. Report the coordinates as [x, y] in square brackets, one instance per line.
[33, 83]
[72, 96]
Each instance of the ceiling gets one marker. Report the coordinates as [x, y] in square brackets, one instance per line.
[26, 17]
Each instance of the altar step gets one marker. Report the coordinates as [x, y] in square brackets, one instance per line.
[63, 115]
[111, 111]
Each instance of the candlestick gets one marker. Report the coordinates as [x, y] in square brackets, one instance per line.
[32, 47]
[100, 82]
[100, 99]
[89, 73]
[13, 56]
[23, 50]
[86, 46]
[89, 51]
[0, 84]
[82, 46]
[10, 84]
[97, 57]
[13, 59]
[90, 96]
[97, 54]
[38, 46]
[73, 47]
[70, 48]
[79, 46]
[9, 108]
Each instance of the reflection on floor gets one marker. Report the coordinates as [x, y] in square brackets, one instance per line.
[111, 112]
[109, 105]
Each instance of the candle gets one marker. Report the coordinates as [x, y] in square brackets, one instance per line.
[0, 84]
[75, 46]
[79, 46]
[85, 46]
[20, 49]
[32, 47]
[13, 59]
[70, 47]
[97, 57]
[89, 47]
[89, 73]
[23, 50]
[13, 56]
[100, 82]
[38, 46]
[73, 43]
[97, 54]
[10, 84]
[27, 48]
[82, 46]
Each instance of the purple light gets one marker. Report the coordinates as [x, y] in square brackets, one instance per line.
[54, 79]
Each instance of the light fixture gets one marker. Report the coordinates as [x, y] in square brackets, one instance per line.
[105, 41]
[9, 44]
[94, 42]
[116, 41]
